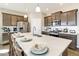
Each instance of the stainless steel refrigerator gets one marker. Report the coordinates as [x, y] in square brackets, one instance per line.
[22, 26]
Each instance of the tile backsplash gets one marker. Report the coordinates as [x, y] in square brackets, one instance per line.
[10, 27]
[62, 27]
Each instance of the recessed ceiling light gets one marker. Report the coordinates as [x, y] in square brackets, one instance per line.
[47, 9]
[26, 9]
[6, 4]
[60, 4]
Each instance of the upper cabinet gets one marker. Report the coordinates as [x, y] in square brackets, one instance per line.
[47, 21]
[68, 18]
[58, 15]
[20, 18]
[72, 17]
[11, 20]
[64, 19]
[56, 18]
[6, 19]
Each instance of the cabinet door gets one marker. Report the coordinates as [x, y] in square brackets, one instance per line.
[45, 21]
[6, 19]
[72, 18]
[26, 19]
[49, 20]
[5, 36]
[64, 19]
[20, 18]
[53, 17]
[58, 15]
[70, 37]
[13, 20]
[74, 41]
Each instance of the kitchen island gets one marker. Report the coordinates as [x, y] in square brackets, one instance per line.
[56, 45]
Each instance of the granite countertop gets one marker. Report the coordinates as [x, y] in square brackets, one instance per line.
[56, 45]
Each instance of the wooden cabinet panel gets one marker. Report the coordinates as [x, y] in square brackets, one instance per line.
[58, 15]
[6, 19]
[20, 18]
[72, 17]
[74, 41]
[26, 19]
[10, 19]
[64, 18]
[53, 16]
[5, 36]
[49, 20]
[13, 20]
[45, 21]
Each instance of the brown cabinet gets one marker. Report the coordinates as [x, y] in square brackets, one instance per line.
[6, 19]
[13, 20]
[6, 37]
[10, 19]
[70, 37]
[48, 21]
[58, 15]
[72, 17]
[56, 18]
[64, 19]
[26, 19]
[53, 16]
[20, 18]
[45, 21]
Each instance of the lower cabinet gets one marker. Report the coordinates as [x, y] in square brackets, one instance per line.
[70, 37]
[5, 38]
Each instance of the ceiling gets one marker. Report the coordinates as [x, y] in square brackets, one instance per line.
[30, 7]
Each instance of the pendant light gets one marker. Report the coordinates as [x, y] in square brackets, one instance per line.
[60, 4]
[37, 9]
[25, 16]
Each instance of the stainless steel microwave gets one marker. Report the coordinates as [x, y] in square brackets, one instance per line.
[56, 23]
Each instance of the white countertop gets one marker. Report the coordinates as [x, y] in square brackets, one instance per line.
[56, 45]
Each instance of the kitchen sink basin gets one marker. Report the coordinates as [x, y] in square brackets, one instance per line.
[37, 35]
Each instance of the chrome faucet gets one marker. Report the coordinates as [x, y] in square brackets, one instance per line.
[34, 29]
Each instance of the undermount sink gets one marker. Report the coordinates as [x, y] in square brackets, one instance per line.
[37, 35]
